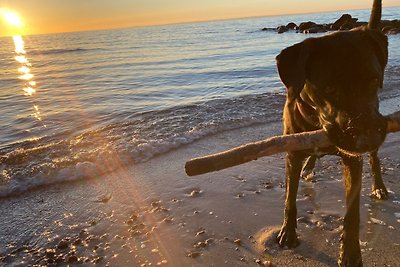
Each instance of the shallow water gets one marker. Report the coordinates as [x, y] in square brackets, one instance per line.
[140, 92]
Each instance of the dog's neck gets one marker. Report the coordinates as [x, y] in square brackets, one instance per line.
[306, 111]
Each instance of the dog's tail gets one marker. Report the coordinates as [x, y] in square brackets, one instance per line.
[376, 15]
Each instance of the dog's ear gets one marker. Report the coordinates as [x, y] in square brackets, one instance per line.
[379, 42]
[291, 63]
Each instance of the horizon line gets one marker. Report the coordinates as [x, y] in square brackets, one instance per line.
[196, 21]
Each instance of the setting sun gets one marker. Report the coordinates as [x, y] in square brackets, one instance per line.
[12, 18]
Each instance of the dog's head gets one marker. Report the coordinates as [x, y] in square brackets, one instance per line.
[340, 75]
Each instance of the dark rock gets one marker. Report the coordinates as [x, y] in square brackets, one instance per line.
[306, 25]
[291, 25]
[347, 26]
[339, 22]
[391, 23]
[327, 27]
[315, 29]
[387, 29]
[345, 22]
[282, 29]
[268, 29]
[394, 31]
[360, 24]
[390, 26]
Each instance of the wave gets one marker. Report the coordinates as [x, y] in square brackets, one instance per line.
[27, 165]
[136, 138]
[59, 51]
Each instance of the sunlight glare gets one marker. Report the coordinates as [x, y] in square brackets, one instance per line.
[16, 26]
[29, 91]
[24, 70]
[21, 59]
[12, 19]
[19, 44]
[26, 76]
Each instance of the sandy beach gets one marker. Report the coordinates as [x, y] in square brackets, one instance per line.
[153, 214]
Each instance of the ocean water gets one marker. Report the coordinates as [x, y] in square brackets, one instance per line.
[135, 93]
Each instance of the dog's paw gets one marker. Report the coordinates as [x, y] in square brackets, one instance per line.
[344, 261]
[287, 237]
[380, 193]
[308, 175]
[350, 253]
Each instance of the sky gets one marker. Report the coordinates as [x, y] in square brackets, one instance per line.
[48, 16]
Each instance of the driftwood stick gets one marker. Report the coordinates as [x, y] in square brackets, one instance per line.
[253, 151]
[273, 145]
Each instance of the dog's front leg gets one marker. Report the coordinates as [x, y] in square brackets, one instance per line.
[287, 236]
[350, 253]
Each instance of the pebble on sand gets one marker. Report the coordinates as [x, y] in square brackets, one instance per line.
[237, 242]
[193, 254]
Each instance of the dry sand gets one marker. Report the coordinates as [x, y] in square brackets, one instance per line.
[152, 214]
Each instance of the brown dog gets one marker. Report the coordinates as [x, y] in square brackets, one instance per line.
[332, 83]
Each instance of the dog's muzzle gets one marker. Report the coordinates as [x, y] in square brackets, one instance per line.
[357, 134]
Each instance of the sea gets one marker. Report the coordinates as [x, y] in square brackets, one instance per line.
[71, 101]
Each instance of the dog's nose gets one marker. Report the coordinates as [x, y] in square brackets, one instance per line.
[365, 133]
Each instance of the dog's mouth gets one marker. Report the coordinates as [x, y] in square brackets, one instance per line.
[355, 140]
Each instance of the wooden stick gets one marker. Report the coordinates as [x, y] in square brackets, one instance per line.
[273, 145]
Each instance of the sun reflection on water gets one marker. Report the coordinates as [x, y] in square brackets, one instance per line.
[29, 87]
[19, 44]
[29, 84]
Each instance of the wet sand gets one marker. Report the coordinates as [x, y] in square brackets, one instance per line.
[152, 214]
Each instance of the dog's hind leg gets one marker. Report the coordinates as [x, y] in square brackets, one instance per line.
[287, 235]
[379, 190]
[307, 172]
[350, 253]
